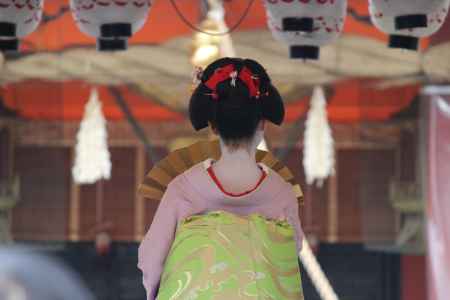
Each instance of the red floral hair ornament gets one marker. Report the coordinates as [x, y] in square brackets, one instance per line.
[251, 81]
[245, 75]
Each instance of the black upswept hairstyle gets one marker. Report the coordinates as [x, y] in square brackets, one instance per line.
[235, 114]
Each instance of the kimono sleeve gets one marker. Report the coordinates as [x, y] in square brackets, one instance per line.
[156, 244]
[292, 215]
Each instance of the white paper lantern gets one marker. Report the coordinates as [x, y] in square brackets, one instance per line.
[306, 25]
[408, 20]
[112, 22]
[18, 18]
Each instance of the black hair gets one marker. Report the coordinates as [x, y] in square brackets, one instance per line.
[234, 113]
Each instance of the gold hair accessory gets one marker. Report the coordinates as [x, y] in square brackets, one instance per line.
[197, 74]
[233, 76]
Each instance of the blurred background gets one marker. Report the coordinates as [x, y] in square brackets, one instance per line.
[384, 111]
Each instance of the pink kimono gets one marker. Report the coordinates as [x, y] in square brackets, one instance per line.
[197, 191]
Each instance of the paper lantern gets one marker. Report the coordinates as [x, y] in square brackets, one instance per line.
[18, 18]
[408, 20]
[112, 22]
[306, 25]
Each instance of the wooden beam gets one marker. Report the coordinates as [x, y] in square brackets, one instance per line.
[364, 135]
[347, 136]
[55, 133]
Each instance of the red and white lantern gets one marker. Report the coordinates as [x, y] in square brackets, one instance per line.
[18, 18]
[406, 21]
[112, 22]
[306, 25]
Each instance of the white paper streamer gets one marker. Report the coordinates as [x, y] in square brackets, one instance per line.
[318, 155]
[92, 158]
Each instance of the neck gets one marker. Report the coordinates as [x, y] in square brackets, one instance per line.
[243, 156]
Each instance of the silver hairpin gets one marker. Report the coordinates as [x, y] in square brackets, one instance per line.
[233, 76]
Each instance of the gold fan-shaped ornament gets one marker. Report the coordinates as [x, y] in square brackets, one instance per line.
[156, 181]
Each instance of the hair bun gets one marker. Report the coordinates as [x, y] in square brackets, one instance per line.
[204, 103]
[272, 106]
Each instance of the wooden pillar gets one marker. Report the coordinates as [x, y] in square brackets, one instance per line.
[7, 141]
[9, 185]
[139, 213]
[333, 206]
[308, 223]
[74, 207]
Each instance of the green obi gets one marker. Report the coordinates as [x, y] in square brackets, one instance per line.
[222, 256]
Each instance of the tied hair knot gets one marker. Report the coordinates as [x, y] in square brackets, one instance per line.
[251, 80]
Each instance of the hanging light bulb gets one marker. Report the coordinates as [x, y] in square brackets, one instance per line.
[306, 25]
[18, 18]
[213, 41]
[318, 145]
[406, 21]
[112, 22]
[206, 47]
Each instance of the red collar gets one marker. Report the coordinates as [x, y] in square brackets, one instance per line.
[220, 186]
